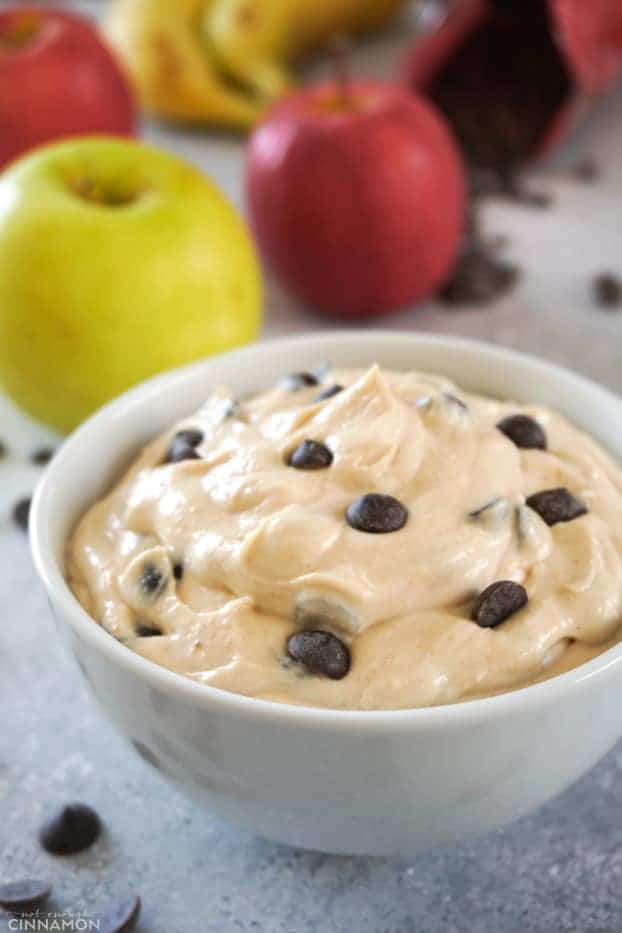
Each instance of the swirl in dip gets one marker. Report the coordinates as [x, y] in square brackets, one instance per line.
[376, 540]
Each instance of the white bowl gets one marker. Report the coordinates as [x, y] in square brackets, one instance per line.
[379, 783]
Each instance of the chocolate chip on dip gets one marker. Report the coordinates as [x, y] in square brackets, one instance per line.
[363, 551]
[329, 392]
[311, 455]
[296, 381]
[320, 653]
[152, 580]
[145, 630]
[376, 514]
[183, 446]
[498, 602]
[556, 505]
[523, 431]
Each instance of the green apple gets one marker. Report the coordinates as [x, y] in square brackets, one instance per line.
[117, 261]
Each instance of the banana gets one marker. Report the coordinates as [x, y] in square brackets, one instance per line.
[223, 62]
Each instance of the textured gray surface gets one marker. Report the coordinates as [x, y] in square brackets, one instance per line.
[559, 870]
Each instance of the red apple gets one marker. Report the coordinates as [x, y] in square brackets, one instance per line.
[56, 79]
[357, 197]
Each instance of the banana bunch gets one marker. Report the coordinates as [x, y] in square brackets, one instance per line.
[222, 62]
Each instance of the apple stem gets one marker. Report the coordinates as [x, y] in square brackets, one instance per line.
[342, 62]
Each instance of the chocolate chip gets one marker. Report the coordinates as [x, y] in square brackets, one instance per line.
[41, 456]
[152, 580]
[479, 276]
[608, 290]
[24, 896]
[191, 436]
[3, 450]
[328, 393]
[320, 652]
[182, 447]
[21, 513]
[498, 602]
[310, 455]
[119, 917]
[296, 381]
[556, 505]
[376, 514]
[523, 431]
[587, 170]
[145, 630]
[71, 830]
[178, 570]
[145, 753]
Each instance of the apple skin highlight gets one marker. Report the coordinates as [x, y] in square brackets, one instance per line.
[358, 205]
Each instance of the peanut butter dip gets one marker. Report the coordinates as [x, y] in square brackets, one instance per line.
[360, 540]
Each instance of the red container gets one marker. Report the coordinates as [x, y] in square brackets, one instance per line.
[514, 76]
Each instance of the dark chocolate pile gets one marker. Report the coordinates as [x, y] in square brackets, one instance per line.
[500, 91]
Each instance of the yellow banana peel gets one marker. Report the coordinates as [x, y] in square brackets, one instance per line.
[222, 62]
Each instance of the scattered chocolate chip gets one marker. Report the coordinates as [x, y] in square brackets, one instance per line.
[182, 447]
[41, 456]
[145, 753]
[498, 602]
[119, 917]
[24, 896]
[376, 514]
[74, 828]
[296, 381]
[523, 431]
[145, 630]
[328, 393]
[320, 652]
[608, 290]
[586, 170]
[152, 580]
[21, 513]
[556, 505]
[178, 570]
[310, 455]
[479, 276]
[191, 436]
[540, 199]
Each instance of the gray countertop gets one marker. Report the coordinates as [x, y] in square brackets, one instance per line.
[558, 870]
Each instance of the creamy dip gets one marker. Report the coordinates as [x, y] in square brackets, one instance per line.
[334, 542]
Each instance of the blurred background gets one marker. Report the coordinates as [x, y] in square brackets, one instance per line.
[443, 166]
[313, 164]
